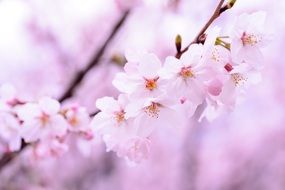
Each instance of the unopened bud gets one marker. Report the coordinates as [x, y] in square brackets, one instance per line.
[178, 43]
[118, 59]
[231, 3]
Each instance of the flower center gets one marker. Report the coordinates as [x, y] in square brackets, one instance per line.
[186, 72]
[44, 119]
[151, 84]
[249, 39]
[238, 79]
[73, 121]
[152, 110]
[215, 55]
[120, 116]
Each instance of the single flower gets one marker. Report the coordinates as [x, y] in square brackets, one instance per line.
[248, 37]
[41, 120]
[141, 78]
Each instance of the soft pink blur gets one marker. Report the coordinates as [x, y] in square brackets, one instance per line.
[43, 43]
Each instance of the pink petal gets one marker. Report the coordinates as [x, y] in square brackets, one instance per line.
[149, 66]
[107, 104]
[49, 105]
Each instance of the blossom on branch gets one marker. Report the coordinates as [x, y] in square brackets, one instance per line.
[42, 120]
[248, 37]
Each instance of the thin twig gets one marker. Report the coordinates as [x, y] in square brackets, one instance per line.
[8, 157]
[218, 11]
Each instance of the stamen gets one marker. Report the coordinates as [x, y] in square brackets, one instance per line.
[120, 116]
[44, 118]
[73, 121]
[152, 110]
[238, 79]
[151, 84]
[215, 55]
[249, 39]
[186, 72]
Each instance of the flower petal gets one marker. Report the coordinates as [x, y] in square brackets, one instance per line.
[149, 66]
[107, 104]
[49, 105]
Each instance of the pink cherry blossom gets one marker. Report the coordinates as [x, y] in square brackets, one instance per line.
[235, 76]
[248, 37]
[49, 148]
[220, 62]
[42, 120]
[240, 78]
[135, 149]
[141, 78]
[77, 118]
[187, 75]
[237, 79]
[111, 122]
[229, 81]
[216, 58]
[154, 113]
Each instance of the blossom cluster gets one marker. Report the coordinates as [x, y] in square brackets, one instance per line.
[213, 75]
[44, 120]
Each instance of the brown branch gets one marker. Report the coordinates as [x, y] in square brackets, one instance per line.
[8, 157]
[201, 35]
[80, 75]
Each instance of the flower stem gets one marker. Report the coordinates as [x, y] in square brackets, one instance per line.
[218, 11]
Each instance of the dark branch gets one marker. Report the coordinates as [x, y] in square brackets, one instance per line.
[8, 157]
[80, 75]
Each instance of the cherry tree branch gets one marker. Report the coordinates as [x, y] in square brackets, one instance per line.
[8, 157]
[200, 37]
[80, 75]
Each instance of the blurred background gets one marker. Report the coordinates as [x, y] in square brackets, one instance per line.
[43, 43]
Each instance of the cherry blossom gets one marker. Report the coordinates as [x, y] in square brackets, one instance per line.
[77, 118]
[52, 147]
[135, 149]
[111, 122]
[235, 78]
[141, 78]
[240, 78]
[42, 120]
[213, 73]
[248, 37]
[153, 113]
[187, 75]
